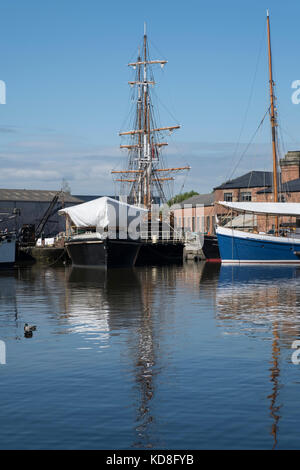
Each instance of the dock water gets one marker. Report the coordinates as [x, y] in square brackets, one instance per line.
[164, 357]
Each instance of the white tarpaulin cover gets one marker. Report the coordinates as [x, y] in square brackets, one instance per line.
[271, 208]
[243, 220]
[102, 212]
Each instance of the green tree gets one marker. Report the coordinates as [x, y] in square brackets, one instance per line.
[181, 197]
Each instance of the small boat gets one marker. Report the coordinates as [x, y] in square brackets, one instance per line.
[7, 250]
[268, 241]
[99, 233]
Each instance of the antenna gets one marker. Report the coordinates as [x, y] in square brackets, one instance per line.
[268, 12]
[145, 30]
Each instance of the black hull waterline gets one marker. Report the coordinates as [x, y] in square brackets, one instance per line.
[210, 248]
[103, 253]
[7, 266]
[160, 253]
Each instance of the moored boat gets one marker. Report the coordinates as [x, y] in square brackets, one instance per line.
[93, 250]
[269, 241]
[103, 232]
[238, 246]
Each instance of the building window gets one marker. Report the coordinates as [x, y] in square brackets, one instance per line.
[228, 197]
[207, 223]
[245, 196]
[179, 222]
[198, 224]
[187, 222]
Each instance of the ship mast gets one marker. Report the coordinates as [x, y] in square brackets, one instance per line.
[146, 142]
[273, 120]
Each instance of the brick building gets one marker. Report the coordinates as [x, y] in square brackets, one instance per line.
[196, 214]
[257, 186]
[244, 188]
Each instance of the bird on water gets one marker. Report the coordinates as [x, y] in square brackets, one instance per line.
[28, 329]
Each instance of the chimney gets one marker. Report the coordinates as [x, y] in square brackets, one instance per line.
[290, 166]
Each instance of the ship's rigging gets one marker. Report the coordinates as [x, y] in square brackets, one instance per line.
[145, 175]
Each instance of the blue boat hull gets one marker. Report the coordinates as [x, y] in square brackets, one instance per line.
[241, 247]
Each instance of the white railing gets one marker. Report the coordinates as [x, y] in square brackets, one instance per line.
[165, 235]
[151, 236]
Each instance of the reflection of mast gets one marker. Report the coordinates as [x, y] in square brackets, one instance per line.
[146, 359]
[275, 371]
[246, 298]
[145, 142]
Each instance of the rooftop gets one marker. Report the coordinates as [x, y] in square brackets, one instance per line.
[200, 199]
[87, 198]
[288, 187]
[253, 179]
[35, 195]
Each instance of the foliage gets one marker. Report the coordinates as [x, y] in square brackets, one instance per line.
[181, 197]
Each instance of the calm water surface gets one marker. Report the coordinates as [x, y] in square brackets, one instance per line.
[189, 357]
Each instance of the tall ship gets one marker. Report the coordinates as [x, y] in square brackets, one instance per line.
[146, 179]
[276, 236]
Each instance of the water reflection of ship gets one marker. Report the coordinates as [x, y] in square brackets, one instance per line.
[255, 298]
[145, 360]
[8, 301]
[125, 300]
[201, 274]
[210, 273]
[114, 294]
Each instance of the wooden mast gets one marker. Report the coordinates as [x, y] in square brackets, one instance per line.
[146, 137]
[145, 144]
[140, 104]
[273, 121]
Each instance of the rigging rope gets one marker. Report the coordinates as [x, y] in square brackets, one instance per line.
[251, 140]
[249, 99]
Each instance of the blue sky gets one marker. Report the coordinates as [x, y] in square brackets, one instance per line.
[64, 65]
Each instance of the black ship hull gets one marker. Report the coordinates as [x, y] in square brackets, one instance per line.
[160, 253]
[210, 248]
[7, 266]
[103, 253]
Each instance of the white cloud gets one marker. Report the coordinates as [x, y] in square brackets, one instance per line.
[41, 163]
[24, 174]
